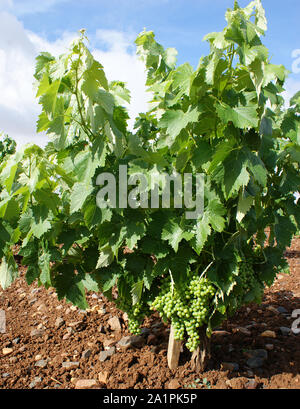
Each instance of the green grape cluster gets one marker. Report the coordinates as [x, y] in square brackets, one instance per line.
[136, 313]
[247, 281]
[136, 316]
[186, 306]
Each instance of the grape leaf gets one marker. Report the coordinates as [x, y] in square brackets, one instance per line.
[8, 271]
[173, 233]
[242, 117]
[78, 196]
[175, 121]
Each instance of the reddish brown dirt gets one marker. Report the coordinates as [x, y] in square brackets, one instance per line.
[31, 307]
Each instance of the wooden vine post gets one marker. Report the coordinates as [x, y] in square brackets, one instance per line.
[199, 357]
[174, 348]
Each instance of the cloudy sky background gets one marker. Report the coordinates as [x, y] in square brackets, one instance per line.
[28, 27]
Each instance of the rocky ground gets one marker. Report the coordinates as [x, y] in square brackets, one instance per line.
[51, 344]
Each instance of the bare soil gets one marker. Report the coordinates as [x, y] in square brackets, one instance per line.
[79, 337]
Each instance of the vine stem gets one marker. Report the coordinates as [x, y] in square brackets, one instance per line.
[232, 54]
[83, 124]
[207, 268]
[202, 354]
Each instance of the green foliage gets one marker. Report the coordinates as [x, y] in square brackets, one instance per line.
[199, 382]
[225, 119]
[7, 146]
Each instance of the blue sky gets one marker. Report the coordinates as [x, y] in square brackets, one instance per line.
[177, 23]
[30, 26]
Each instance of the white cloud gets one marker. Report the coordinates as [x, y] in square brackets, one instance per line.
[57, 47]
[292, 86]
[122, 65]
[5, 4]
[19, 109]
[116, 40]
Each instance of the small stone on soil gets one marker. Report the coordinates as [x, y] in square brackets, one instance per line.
[269, 347]
[35, 290]
[106, 354]
[268, 334]
[229, 366]
[272, 309]
[103, 377]
[86, 354]
[220, 333]
[282, 310]
[70, 330]
[42, 363]
[42, 307]
[285, 330]
[35, 333]
[59, 322]
[257, 353]
[173, 384]
[242, 330]
[109, 342]
[35, 381]
[257, 358]
[114, 324]
[251, 384]
[70, 365]
[7, 351]
[136, 341]
[76, 326]
[255, 362]
[85, 384]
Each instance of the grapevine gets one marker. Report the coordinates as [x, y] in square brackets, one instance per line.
[225, 120]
